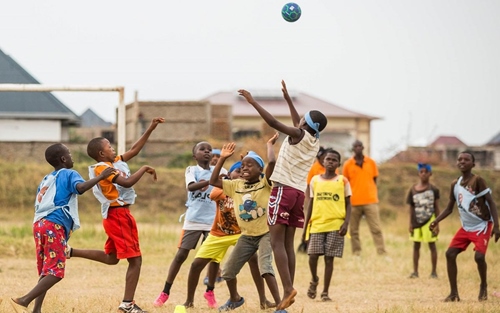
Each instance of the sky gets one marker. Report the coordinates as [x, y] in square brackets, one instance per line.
[426, 68]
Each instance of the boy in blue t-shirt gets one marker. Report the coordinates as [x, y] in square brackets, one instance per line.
[56, 217]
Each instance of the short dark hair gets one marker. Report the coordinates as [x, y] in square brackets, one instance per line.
[318, 117]
[199, 143]
[330, 150]
[469, 153]
[94, 146]
[54, 153]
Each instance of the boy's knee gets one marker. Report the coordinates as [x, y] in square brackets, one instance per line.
[479, 257]
[452, 253]
[181, 255]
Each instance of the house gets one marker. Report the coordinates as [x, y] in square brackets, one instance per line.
[445, 150]
[344, 125]
[91, 126]
[31, 116]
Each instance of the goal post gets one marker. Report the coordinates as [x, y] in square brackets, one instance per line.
[120, 123]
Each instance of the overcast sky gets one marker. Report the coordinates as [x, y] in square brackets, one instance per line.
[426, 67]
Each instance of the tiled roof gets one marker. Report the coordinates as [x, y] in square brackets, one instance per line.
[277, 106]
[29, 105]
[448, 141]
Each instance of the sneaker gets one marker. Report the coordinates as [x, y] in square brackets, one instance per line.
[434, 275]
[210, 297]
[162, 298]
[130, 308]
[67, 251]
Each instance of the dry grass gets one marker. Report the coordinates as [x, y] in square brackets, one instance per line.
[369, 284]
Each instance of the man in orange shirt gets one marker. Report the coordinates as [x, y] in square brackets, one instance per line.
[362, 172]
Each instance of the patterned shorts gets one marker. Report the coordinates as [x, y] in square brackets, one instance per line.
[330, 244]
[50, 244]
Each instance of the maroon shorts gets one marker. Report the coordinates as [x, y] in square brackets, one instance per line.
[463, 238]
[286, 206]
[50, 244]
[121, 228]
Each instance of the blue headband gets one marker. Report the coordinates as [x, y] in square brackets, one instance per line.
[216, 151]
[256, 157]
[235, 166]
[424, 165]
[313, 125]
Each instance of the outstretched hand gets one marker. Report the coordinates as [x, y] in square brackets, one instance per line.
[273, 139]
[283, 88]
[156, 121]
[151, 171]
[227, 150]
[247, 95]
[107, 171]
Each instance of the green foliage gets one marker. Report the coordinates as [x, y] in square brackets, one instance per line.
[181, 160]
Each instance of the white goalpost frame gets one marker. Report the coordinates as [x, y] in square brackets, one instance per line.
[47, 88]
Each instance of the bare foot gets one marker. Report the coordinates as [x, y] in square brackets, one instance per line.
[267, 305]
[188, 305]
[287, 300]
[452, 298]
[483, 294]
[18, 307]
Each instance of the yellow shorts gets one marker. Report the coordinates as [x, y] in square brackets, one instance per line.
[424, 234]
[215, 248]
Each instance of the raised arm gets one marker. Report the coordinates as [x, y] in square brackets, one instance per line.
[269, 118]
[139, 144]
[293, 112]
[271, 156]
[226, 151]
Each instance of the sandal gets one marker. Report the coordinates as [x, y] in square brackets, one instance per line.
[311, 292]
[229, 305]
[325, 297]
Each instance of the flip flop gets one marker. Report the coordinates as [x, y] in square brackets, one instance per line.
[229, 305]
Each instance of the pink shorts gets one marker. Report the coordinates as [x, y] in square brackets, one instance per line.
[463, 238]
[50, 244]
[286, 206]
[121, 228]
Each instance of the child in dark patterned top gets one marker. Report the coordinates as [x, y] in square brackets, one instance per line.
[423, 201]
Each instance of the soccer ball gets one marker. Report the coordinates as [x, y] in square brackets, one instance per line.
[291, 12]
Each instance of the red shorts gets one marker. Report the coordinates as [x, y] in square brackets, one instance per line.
[121, 228]
[50, 244]
[286, 206]
[463, 238]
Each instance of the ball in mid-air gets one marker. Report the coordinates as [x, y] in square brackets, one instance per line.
[291, 12]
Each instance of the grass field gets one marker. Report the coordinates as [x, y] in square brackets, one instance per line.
[367, 284]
